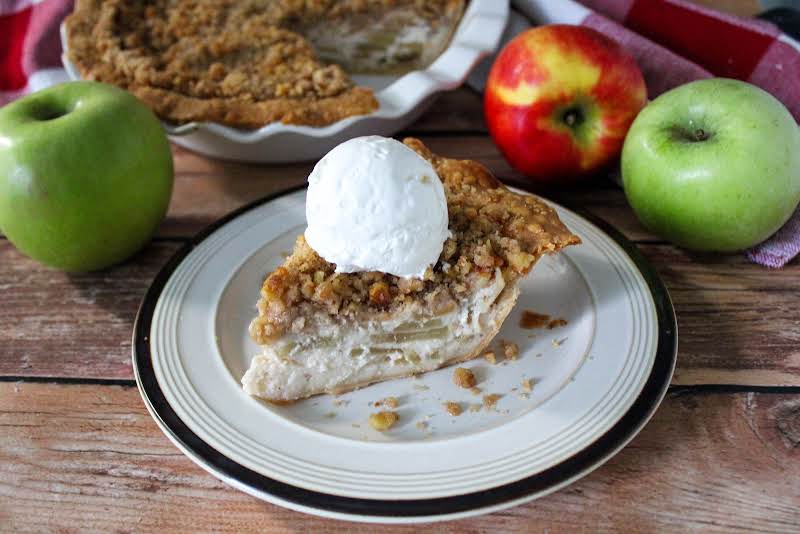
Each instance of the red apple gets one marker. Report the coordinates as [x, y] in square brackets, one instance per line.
[559, 101]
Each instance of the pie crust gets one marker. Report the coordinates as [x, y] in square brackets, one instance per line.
[247, 63]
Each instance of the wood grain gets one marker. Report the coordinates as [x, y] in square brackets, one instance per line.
[60, 325]
[738, 322]
[80, 457]
[460, 110]
[205, 189]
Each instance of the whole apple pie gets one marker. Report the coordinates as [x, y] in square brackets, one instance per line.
[247, 63]
[323, 330]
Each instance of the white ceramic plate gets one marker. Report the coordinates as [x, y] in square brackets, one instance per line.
[402, 100]
[597, 380]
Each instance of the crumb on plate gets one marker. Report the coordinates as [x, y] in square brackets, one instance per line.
[490, 400]
[453, 408]
[383, 420]
[463, 377]
[510, 349]
[389, 402]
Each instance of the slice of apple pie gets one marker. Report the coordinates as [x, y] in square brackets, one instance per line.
[323, 331]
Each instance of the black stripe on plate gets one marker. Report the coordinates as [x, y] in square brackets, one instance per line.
[579, 464]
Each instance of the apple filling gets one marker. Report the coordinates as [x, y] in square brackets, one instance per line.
[330, 354]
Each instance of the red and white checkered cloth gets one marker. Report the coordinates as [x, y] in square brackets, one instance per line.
[674, 41]
[30, 48]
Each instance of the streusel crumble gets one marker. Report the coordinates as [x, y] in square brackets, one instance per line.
[244, 63]
[492, 228]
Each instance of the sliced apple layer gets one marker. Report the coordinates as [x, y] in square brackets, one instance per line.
[333, 355]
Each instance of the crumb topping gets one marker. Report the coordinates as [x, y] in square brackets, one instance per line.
[490, 357]
[510, 349]
[243, 62]
[453, 408]
[492, 228]
[463, 378]
[383, 420]
[531, 319]
[490, 400]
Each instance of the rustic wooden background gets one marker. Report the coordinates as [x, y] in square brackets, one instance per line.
[79, 451]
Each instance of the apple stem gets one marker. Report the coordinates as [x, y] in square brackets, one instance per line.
[700, 135]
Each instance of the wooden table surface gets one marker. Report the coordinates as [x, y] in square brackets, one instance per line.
[78, 450]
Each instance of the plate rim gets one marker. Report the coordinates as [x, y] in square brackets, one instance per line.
[413, 510]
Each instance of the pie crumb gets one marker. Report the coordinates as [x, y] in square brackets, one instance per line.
[475, 407]
[490, 357]
[532, 319]
[453, 408]
[557, 342]
[555, 323]
[383, 420]
[475, 391]
[330, 415]
[389, 402]
[527, 384]
[463, 377]
[524, 396]
[421, 387]
[490, 400]
[422, 425]
[510, 349]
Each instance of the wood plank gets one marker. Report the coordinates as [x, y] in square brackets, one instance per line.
[460, 110]
[738, 322]
[87, 457]
[206, 189]
[55, 324]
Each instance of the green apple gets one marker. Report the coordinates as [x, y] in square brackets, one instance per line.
[713, 165]
[85, 175]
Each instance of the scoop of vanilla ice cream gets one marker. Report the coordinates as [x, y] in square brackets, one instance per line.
[373, 204]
